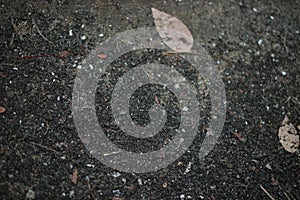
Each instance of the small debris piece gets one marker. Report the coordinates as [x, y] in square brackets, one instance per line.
[239, 136]
[156, 99]
[165, 184]
[288, 136]
[63, 54]
[118, 198]
[2, 109]
[268, 166]
[102, 56]
[274, 182]
[74, 176]
[129, 187]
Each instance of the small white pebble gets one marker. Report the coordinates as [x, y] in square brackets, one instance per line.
[271, 17]
[82, 26]
[116, 174]
[90, 165]
[185, 108]
[254, 9]
[259, 42]
[83, 37]
[283, 73]
[182, 196]
[70, 32]
[101, 35]
[140, 182]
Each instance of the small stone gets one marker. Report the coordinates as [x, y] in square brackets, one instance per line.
[140, 182]
[165, 184]
[283, 73]
[268, 166]
[30, 194]
[83, 37]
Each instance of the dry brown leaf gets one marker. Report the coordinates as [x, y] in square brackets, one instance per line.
[74, 176]
[172, 31]
[288, 136]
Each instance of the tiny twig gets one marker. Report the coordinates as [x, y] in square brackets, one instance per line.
[269, 195]
[40, 33]
[43, 146]
[284, 193]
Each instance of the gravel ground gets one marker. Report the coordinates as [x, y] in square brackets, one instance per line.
[255, 46]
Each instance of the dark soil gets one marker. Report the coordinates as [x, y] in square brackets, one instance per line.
[255, 46]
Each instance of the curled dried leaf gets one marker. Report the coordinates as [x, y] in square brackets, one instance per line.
[288, 136]
[172, 31]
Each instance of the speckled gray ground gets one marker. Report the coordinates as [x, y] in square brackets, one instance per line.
[255, 46]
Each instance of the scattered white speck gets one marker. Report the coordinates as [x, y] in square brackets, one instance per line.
[117, 193]
[140, 182]
[177, 86]
[271, 17]
[182, 196]
[82, 26]
[109, 25]
[259, 42]
[79, 66]
[116, 174]
[91, 66]
[101, 35]
[64, 194]
[58, 98]
[90, 165]
[70, 32]
[83, 37]
[283, 73]
[30, 194]
[268, 108]
[254, 9]
[71, 194]
[185, 108]
[188, 168]
[63, 157]
[124, 180]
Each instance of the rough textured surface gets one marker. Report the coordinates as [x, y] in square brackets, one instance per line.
[254, 44]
